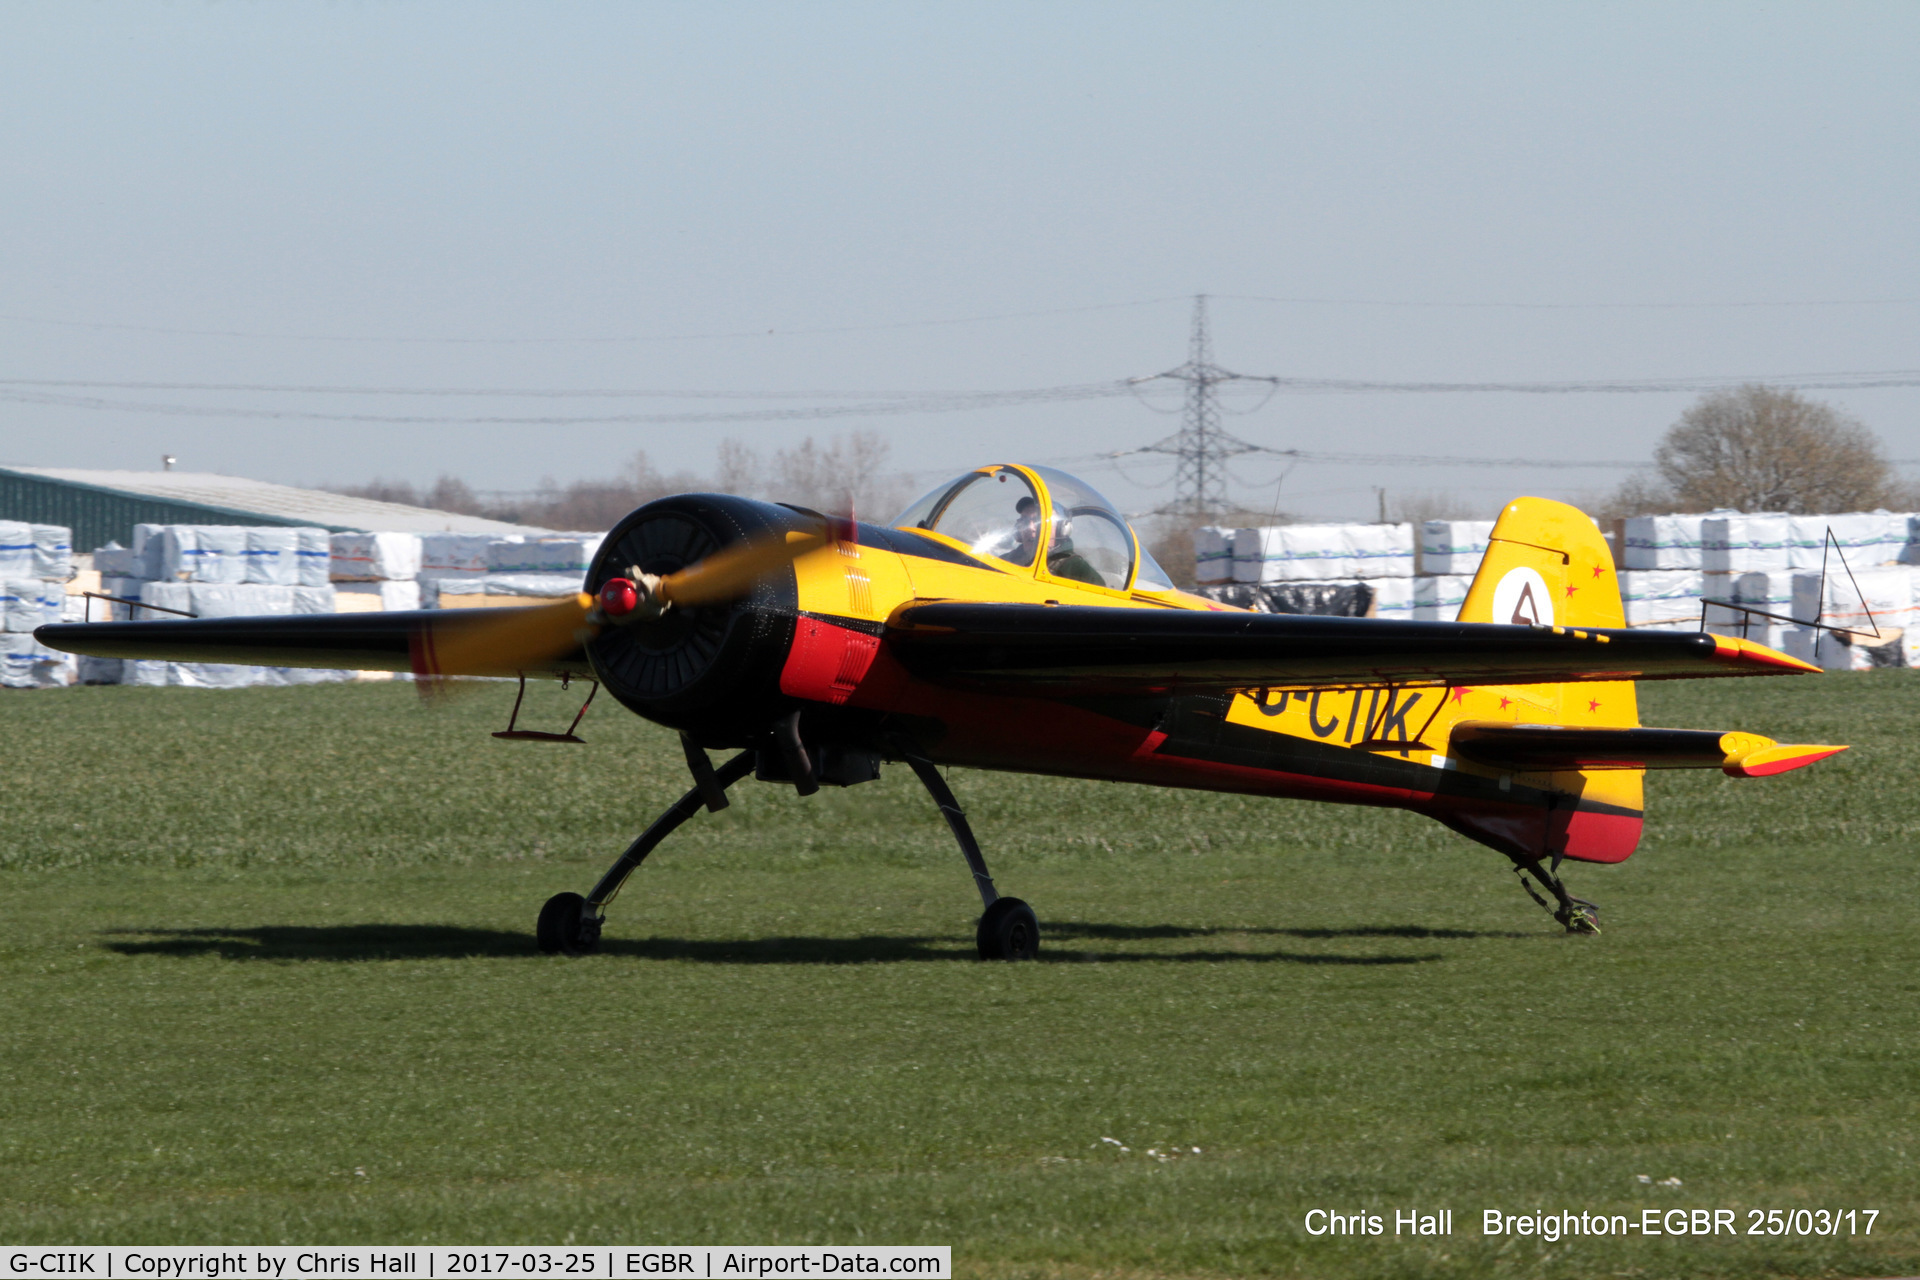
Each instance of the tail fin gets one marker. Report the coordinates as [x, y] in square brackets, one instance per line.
[1548, 565]
[1560, 766]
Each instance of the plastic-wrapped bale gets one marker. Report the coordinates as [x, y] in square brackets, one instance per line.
[315, 556]
[1867, 539]
[504, 590]
[453, 554]
[272, 557]
[1662, 597]
[214, 554]
[16, 550]
[1910, 550]
[567, 553]
[120, 589]
[229, 600]
[1864, 602]
[1770, 592]
[1838, 651]
[175, 596]
[116, 561]
[375, 557]
[1393, 598]
[1292, 553]
[52, 551]
[91, 670]
[25, 663]
[375, 597]
[1381, 550]
[1741, 543]
[1438, 598]
[1453, 547]
[1663, 542]
[313, 600]
[1212, 555]
[148, 542]
[29, 603]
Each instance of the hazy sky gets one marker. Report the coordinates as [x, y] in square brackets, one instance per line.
[693, 197]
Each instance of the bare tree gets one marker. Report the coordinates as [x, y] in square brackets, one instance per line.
[849, 471]
[1757, 449]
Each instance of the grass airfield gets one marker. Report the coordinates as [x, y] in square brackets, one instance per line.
[267, 974]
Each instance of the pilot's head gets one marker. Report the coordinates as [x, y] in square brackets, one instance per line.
[1026, 522]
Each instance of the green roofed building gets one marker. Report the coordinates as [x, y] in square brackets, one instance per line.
[103, 506]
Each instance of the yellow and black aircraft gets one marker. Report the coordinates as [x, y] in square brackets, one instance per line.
[1010, 619]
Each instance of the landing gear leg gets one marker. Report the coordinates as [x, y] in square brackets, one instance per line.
[1576, 915]
[570, 924]
[1008, 928]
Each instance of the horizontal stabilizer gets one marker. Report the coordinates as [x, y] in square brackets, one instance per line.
[1101, 650]
[1546, 748]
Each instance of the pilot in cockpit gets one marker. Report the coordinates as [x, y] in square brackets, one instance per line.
[1062, 560]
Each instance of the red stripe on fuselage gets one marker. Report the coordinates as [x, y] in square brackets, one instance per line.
[1037, 735]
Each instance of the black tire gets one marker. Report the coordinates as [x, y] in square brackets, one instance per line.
[565, 928]
[1009, 931]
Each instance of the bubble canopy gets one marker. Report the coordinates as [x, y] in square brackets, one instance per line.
[1042, 520]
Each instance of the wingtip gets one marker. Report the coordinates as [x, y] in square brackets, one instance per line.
[1781, 758]
[1749, 653]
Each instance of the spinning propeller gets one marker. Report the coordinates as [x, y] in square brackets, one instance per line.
[510, 641]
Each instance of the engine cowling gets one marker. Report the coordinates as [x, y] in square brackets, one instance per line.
[713, 669]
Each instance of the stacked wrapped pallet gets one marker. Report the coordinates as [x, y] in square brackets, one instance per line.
[1450, 554]
[1677, 566]
[210, 571]
[1678, 571]
[220, 571]
[36, 561]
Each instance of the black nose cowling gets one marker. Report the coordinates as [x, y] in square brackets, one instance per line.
[714, 669]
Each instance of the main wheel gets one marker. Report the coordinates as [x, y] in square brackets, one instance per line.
[1009, 931]
[565, 928]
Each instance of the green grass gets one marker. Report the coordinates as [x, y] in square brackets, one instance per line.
[266, 974]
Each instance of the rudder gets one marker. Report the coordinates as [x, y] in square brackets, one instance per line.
[1548, 565]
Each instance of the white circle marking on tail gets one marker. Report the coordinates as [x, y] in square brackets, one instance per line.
[1522, 599]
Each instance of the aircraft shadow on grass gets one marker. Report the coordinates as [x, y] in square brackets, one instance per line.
[361, 942]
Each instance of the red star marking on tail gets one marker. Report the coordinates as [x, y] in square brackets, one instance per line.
[1593, 704]
[1597, 571]
[1570, 590]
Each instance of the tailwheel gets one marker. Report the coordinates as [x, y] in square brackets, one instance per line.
[1009, 931]
[1575, 915]
[1579, 916]
[566, 927]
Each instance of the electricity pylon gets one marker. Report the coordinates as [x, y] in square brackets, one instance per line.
[1201, 445]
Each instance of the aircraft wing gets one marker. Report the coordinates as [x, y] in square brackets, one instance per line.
[1072, 650]
[427, 642]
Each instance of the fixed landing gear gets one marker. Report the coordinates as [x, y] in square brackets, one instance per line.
[1008, 931]
[1576, 915]
[1008, 928]
[570, 924]
[566, 928]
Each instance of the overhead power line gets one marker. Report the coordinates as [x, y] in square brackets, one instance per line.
[1416, 305]
[937, 403]
[779, 331]
[774, 331]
